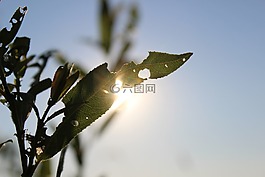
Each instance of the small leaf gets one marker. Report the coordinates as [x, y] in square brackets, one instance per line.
[105, 25]
[21, 67]
[41, 65]
[4, 143]
[134, 16]
[21, 45]
[62, 81]
[69, 82]
[107, 20]
[24, 106]
[40, 87]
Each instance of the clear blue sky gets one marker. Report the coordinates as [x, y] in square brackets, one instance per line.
[206, 119]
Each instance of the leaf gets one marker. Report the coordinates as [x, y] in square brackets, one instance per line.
[7, 36]
[24, 106]
[86, 102]
[41, 65]
[107, 20]
[21, 67]
[92, 96]
[4, 143]
[106, 25]
[134, 17]
[62, 82]
[21, 44]
[163, 64]
[40, 87]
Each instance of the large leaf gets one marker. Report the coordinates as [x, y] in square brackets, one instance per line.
[92, 96]
[86, 102]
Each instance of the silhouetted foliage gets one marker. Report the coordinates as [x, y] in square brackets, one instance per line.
[85, 98]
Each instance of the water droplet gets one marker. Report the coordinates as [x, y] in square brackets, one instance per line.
[184, 59]
[105, 91]
[134, 70]
[166, 65]
[87, 118]
[1, 44]
[75, 123]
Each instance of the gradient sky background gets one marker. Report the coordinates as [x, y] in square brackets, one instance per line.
[205, 120]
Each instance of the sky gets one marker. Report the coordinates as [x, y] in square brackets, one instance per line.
[204, 120]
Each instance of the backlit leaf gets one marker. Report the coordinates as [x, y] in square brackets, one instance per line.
[92, 96]
[86, 102]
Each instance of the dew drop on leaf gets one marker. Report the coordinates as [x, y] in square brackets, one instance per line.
[87, 118]
[134, 70]
[184, 59]
[105, 91]
[166, 65]
[75, 123]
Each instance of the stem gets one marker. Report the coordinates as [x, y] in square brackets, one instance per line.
[20, 139]
[31, 170]
[40, 124]
[46, 112]
[18, 124]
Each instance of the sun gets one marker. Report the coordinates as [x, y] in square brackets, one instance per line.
[123, 95]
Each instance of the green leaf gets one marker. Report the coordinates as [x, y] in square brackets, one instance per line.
[92, 96]
[159, 64]
[163, 64]
[86, 102]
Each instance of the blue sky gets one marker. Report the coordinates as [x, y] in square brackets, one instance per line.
[206, 119]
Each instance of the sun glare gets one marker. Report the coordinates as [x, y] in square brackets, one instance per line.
[123, 94]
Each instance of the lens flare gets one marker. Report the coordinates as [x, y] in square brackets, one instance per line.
[123, 94]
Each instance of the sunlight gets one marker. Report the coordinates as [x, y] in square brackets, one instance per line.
[123, 94]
